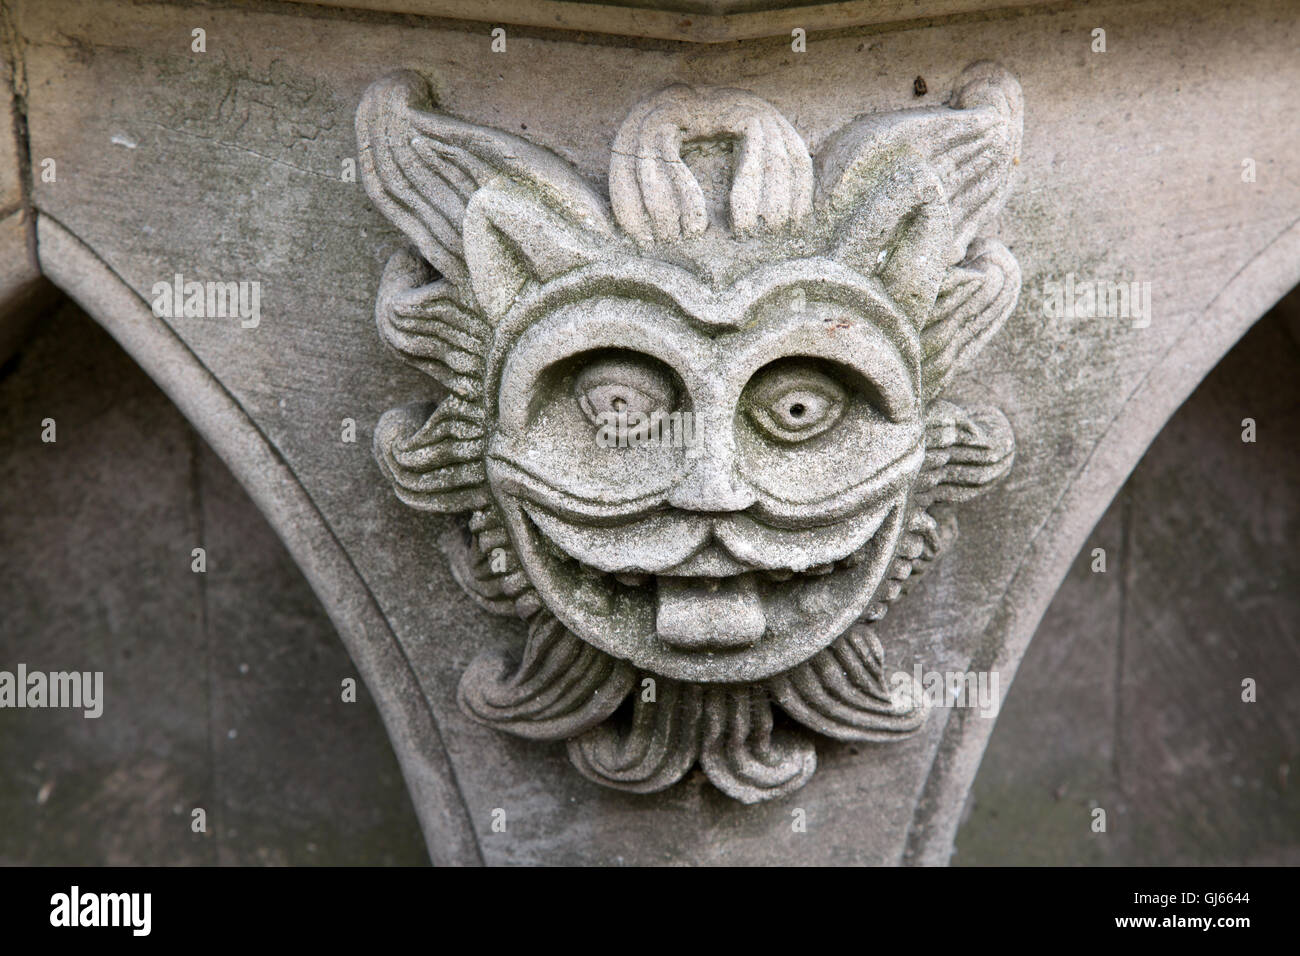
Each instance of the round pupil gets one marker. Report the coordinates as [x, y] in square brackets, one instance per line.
[797, 410]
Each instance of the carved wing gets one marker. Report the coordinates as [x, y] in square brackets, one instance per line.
[422, 168]
[974, 301]
[972, 146]
[488, 211]
[907, 192]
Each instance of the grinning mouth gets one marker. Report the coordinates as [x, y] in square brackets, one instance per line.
[713, 579]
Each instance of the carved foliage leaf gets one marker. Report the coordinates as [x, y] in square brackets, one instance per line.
[972, 145]
[843, 692]
[659, 747]
[728, 729]
[656, 197]
[742, 755]
[420, 318]
[926, 537]
[437, 465]
[562, 686]
[486, 565]
[474, 571]
[975, 300]
[967, 449]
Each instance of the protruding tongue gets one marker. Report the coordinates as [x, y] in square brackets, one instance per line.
[701, 613]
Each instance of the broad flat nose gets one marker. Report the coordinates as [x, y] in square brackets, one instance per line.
[711, 485]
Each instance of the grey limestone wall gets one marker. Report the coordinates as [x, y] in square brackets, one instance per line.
[224, 688]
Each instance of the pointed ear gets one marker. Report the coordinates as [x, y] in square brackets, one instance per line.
[971, 145]
[422, 169]
[976, 298]
[511, 238]
[893, 224]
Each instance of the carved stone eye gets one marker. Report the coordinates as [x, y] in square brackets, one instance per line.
[792, 402]
[624, 384]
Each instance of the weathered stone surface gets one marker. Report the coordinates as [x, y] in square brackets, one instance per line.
[699, 429]
[1130, 170]
[1130, 697]
[222, 690]
[693, 21]
[1049, 761]
[24, 294]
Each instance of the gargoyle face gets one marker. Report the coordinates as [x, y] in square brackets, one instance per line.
[697, 424]
[752, 527]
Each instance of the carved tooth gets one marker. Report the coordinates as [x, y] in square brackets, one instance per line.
[779, 574]
[820, 569]
[875, 612]
[632, 579]
[910, 545]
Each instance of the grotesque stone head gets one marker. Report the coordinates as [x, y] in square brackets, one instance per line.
[697, 425]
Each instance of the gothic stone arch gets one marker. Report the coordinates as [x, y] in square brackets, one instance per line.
[231, 165]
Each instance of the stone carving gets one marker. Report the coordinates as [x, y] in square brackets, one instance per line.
[697, 426]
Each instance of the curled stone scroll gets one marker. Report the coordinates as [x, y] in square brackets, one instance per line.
[697, 427]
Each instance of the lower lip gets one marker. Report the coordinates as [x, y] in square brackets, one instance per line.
[802, 615]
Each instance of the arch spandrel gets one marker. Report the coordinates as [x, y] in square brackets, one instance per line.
[1130, 170]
